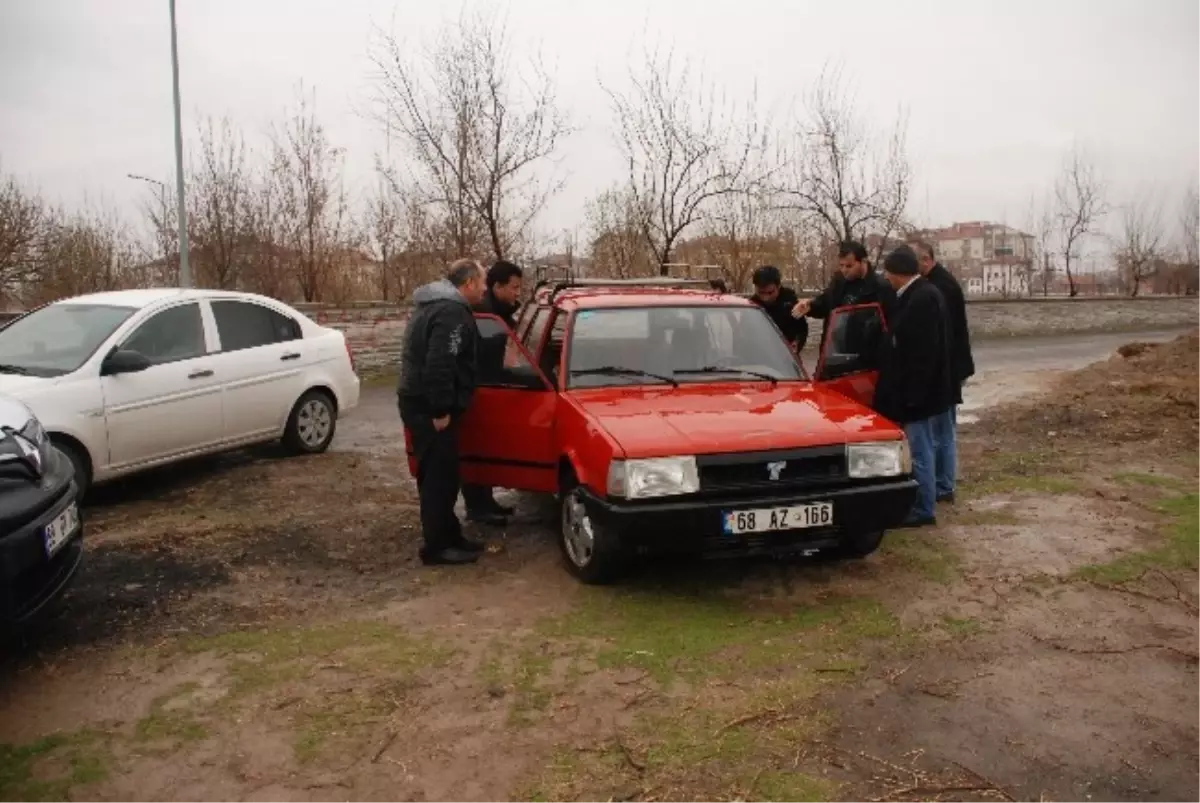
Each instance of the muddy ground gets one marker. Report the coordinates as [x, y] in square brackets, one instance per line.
[258, 628]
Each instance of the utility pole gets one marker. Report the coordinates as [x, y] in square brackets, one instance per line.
[185, 271]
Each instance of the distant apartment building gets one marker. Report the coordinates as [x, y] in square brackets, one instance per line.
[990, 259]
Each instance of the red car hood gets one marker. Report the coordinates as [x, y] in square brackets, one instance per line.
[715, 418]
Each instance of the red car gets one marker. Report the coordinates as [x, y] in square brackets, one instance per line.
[668, 417]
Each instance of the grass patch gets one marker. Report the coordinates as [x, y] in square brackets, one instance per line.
[381, 660]
[531, 695]
[1045, 472]
[1000, 517]
[793, 786]
[1178, 550]
[715, 752]
[168, 726]
[923, 553]
[1160, 481]
[49, 768]
[261, 660]
[1033, 483]
[667, 633]
[961, 628]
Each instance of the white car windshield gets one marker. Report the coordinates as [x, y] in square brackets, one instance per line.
[677, 345]
[57, 339]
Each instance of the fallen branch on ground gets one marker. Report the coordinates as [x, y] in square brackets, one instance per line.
[770, 715]
[637, 765]
[1191, 656]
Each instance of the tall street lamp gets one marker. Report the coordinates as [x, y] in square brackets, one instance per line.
[185, 272]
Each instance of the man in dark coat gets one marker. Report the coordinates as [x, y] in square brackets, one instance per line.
[437, 383]
[962, 368]
[915, 385]
[778, 301]
[501, 299]
[855, 283]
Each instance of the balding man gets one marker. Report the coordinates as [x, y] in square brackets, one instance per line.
[437, 382]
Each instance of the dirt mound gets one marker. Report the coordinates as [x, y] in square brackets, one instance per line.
[1145, 392]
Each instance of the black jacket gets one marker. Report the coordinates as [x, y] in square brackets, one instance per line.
[437, 369]
[962, 364]
[494, 306]
[914, 373]
[795, 330]
[870, 289]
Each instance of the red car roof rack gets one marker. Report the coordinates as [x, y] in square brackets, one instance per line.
[621, 284]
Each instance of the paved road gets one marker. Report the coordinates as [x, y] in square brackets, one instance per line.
[1007, 368]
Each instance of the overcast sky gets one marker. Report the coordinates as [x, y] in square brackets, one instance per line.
[996, 91]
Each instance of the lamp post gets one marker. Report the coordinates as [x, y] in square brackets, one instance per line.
[185, 272]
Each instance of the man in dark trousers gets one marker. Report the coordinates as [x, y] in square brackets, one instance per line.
[777, 300]
[915, 384]
[962, 368]
[501, 299]
[855, 283]
[437, 382]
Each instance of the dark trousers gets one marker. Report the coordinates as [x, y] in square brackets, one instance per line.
[437, 480]
[478, 498]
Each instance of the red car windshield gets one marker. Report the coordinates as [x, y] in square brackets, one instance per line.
[676, 345]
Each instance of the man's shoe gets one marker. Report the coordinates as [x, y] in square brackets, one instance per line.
[452, 556]
[488, 518]
[467, 545]
[946, 498]
[914, 523]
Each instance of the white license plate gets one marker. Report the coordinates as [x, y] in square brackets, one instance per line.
[773, 519]
[59, 531]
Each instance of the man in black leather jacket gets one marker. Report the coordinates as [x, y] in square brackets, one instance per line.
[437, 383]
[501, 300]
[856, 282]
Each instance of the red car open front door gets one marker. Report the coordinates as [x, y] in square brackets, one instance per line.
[849, 361]
[507, 437]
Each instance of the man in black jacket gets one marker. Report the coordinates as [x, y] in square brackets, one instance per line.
[962, 368]
[437, 382]
[777, 300]
[502, 300]
[915, 384]
[855, 283]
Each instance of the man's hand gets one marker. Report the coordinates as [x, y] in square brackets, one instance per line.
[441, 423]
[801, 308]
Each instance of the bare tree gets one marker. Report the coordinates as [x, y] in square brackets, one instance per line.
[745, 231]
[385, 232]
[1042, 255]
[219, 199]
[854, 181]
[160, 213]
[86, 251]
[617, 242]
[1140, 249]
[1079, 195]
[1189, 228]
[22, 225]
[475, 127]
[684, 147]
[310, 200]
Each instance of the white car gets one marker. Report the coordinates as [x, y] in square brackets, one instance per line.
[127, 380]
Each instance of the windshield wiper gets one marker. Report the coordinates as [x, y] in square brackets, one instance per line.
[725, 369]
[618, 370]
[13, 369]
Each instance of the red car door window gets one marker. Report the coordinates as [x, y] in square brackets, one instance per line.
[849, 361]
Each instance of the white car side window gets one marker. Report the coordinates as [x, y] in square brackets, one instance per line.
[174, 334]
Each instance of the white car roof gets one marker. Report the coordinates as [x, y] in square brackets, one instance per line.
[150, 296]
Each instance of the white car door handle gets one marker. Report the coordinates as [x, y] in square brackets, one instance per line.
[291, 355]
[200, 374]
